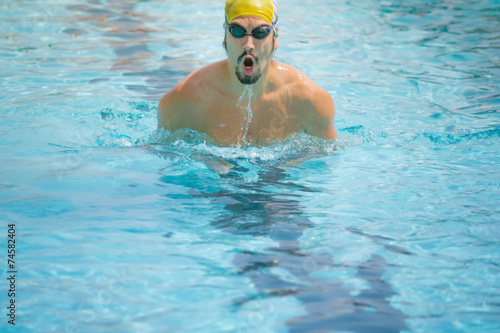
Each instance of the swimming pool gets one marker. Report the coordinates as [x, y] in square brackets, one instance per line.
[394, 228]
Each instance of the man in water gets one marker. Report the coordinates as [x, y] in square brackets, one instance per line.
[248, 98]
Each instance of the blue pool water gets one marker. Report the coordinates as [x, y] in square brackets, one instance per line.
[119, 228]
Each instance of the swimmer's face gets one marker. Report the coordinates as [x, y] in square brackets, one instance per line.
[249, 55]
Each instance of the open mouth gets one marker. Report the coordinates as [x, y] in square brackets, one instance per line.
[248, 66]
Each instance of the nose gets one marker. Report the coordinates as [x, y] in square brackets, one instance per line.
[248, 46]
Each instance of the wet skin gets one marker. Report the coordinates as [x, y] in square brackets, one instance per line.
[284, 100]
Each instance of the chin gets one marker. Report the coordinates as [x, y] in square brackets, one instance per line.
[246, 79]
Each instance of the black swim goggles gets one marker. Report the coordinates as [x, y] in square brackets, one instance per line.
[258, 33]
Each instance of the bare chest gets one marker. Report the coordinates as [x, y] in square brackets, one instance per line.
[229, 122]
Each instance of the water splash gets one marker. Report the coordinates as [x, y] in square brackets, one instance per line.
[190, 144]
[248, 91]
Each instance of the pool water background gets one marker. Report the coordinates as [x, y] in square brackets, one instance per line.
[393, 228]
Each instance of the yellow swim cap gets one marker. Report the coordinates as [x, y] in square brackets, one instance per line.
[261, 8]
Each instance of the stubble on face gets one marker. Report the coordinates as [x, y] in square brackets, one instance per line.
[242, 77]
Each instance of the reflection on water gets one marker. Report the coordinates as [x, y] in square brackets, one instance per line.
[415, 80]
[128, 34]
[270, 206]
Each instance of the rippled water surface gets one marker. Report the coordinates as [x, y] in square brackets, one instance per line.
[120, 228]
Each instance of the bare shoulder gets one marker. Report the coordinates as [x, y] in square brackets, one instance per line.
[312, 104]
[302, 88]
[182, 105]
[193, 86]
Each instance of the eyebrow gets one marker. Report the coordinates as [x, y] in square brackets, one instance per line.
[260, 26]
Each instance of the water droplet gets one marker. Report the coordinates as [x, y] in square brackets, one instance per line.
[248, 91]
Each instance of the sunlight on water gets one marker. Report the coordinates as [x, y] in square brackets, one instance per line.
[297, 146]
[393, 227]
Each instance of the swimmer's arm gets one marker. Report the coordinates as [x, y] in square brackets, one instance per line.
[168, 111]
[320, 118]
[175, 111]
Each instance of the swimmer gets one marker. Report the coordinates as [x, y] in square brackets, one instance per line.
[282, 99]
